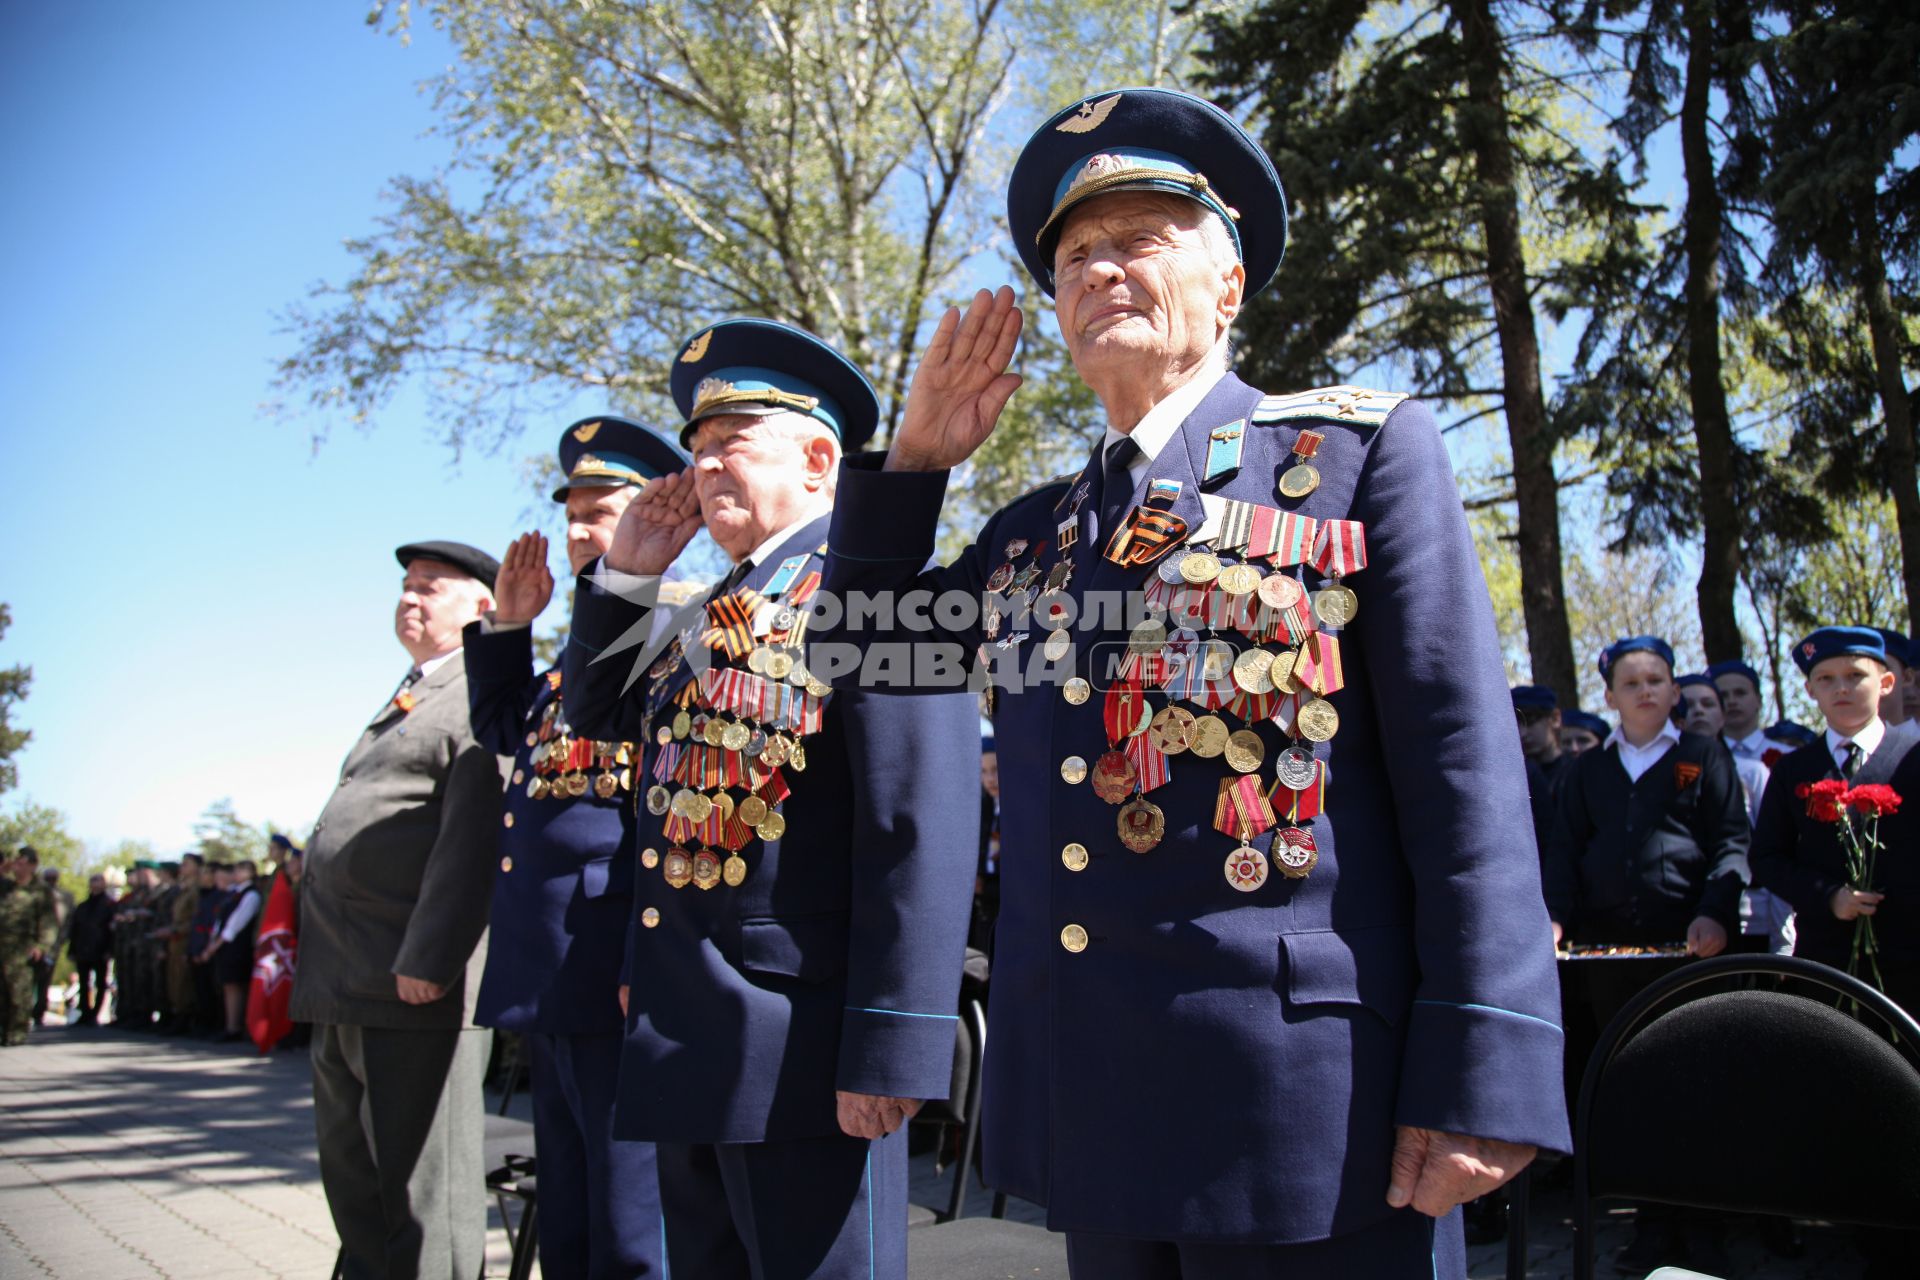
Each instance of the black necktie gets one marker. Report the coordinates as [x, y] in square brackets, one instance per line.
[733, 579]
[1116, 485]
[1851, 765]
[413, 678]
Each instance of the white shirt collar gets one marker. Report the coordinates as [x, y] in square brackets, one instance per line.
[1637, 760]
[1868, 739]
[1754, 744]
[432, 665]
[1152, 432]
[774, 543]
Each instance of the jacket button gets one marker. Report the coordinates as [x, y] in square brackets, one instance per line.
[1074, 938]
[1073, 770]
[506, 864]
[650, 917]
[508, 819]
[649, 858]
[1075, 857]
[519, 776]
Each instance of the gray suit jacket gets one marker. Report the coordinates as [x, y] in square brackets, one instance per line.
[399, 869]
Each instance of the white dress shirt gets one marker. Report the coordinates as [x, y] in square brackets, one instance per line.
[1152, 432]
[1868, 740]
[1637, 760]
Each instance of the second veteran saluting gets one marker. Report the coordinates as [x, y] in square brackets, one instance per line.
[564, 891]
[1274, 986]
[806, 858]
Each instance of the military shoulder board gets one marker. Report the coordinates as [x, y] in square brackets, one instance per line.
[1358, 405]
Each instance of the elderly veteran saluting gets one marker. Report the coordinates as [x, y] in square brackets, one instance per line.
[806, 858]
[564, 889]
[1274, 986]
[393, 905]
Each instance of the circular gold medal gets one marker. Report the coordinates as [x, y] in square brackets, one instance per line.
[777, 750]
[1300, 480]
[539, 789]
[1073, 771]
[723, 804]
[1059, 644]
[1209, 736]
[752, 811]
[1245, 752]
[734, 871]
[1281, 672]
[735, 736]
[576, 785]
[1318, 720]
[1114, 776]
[706, 869]
[757, 660]
[716, 730]
[1074, 857]
[649, 858]
[817, 687]
[606, 786]
[1147, 638]
[1199, 566]
[1335, 606]
[1278, 591]
[1246, 868]
[1251, 671]
[1141, 824]
[798, 676]
[1216, 660]
[780, 665]
[1171, 731]
[677, 867]
[1240, 580]
[663, 735]
[771, 827]
[682, 725]
[700, 808]
[1074, 938]
[1076, 691]
[681, 802]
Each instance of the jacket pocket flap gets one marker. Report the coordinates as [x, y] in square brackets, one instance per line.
[811, 948]
[1371, 967]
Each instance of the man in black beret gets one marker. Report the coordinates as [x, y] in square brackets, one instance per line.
[393, 905]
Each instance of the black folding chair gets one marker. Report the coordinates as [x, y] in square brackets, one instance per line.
[960, 1110]
[1668, 1099]
[512, 1175]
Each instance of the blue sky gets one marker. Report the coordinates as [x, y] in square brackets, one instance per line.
[205, 600]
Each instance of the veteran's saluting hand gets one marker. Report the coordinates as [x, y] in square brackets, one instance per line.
[961, 386]
[656, 526]
[525, 584]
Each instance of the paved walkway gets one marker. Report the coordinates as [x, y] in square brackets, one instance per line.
[126, 1155]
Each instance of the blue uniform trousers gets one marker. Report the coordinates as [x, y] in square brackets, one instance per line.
[599, 1197]
[1408, 1245]
[829, 1208]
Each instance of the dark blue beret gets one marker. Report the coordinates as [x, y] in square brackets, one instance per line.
[471, 560]
[1698, 678]
[1898, 647]
[610, 453]
[1147, 140]
[1734, 667]
[986, 743]
[763, 366]
[1839, 642]
[1798, 734]
[1593, 724]
[1534, 697]
[1634, 644]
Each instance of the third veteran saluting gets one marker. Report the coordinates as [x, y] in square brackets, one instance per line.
[1274, 986]
[806, 857]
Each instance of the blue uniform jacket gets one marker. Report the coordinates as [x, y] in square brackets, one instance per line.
[836, 964]
[564, 890]
[1230, 1067]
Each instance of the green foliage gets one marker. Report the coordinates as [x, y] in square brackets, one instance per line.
[221, 836]
[45, 829]
[13, 688]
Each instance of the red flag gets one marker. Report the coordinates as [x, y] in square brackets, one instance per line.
[274, 950]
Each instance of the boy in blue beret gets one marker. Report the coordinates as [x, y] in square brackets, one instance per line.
[1581, 731]
[1537, 709]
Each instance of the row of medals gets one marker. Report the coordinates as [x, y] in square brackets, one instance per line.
[552, 748]
[1174, 729]
[705, 869]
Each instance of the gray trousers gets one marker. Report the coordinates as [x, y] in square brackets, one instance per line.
[400, 1120]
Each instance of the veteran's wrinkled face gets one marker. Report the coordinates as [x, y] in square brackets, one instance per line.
[757, 474]
[436, 600]
[592, 516]
[1142, 287]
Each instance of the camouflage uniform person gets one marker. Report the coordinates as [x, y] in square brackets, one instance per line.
[179, 984]
[28, 928]
[154, 948]
[132, 1005]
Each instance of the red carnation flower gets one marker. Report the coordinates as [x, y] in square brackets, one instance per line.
[1824, 798]
[1771, 756]
[1875, 800]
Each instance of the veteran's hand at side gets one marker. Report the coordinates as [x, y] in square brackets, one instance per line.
[1434, 1171]
[417, 990]
[866, 1115]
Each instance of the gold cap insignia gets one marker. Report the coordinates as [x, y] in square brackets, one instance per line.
[586, 431]
[1097, 166]
[697, 349]
[1089, 117]
[587, 460]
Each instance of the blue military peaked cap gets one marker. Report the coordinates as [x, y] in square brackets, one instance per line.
[1839, 642]
[1634, 644]
[1734, 667]
[1578, 719]
[763, 366]
[1534, 697]
[1147, 140]
[609, 453]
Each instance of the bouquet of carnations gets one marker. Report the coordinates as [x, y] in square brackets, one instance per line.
[1857, 812]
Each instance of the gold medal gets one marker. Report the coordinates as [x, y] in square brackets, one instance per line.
[1317, 720]
[626, 779]
[1216, 660]
[734, 871]
[757, 660]
[1209, 737]
[576, 785]
[752, 811]
[606, 786]
[1141, 824]
[700, 807]
[1251, 671]
[1246, 868]
[1300, 480]
[817, 687]
[797, 757]
[1335, 606]
[1199, 566]
[1245, 752]
[1074, 857]
[735, 737]
[659, 800]
[1073, 771]
[780, 665]
[1114, 776]
[797, 675]
[1278, 591]
[716, 730]
[1076, 691]
[778, 747]
[1281, 672]
[706, 869]
[1147, 639]
[663, 735]
[1171, 731]
[723, 804]
[1240, 580]
[771, 827]
[677, 867]
[682, 725]
[1059, 644]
